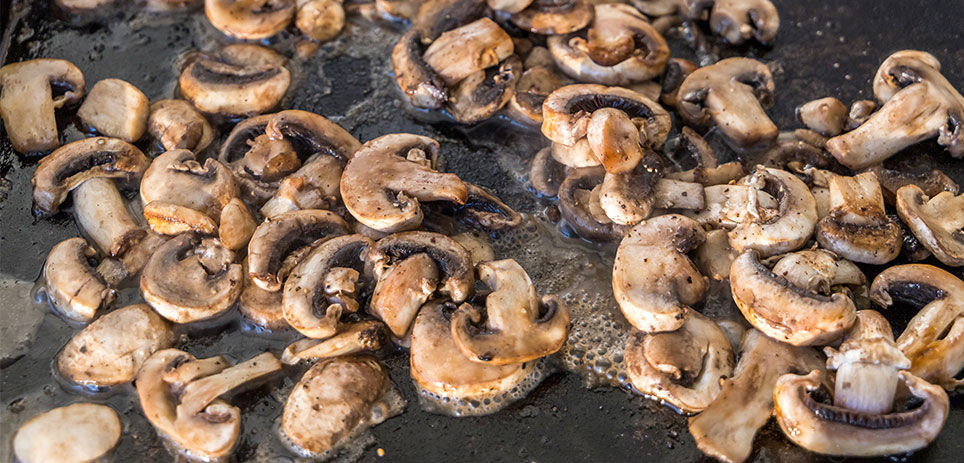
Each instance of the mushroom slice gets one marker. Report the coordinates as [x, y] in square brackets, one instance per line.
[478, 245]
[517, 327]
[101, 213]
[937, 222]
[932, 183]
[508, 6]
[336, 400]
[620, 47]
[738, 20]
[70, 165]
[189, 279]
[176, 177]
[731, 93]
[480, 95]
[553, 17]
[236, 225]
[484, 210]
[239, 80]
[170, 219]
[310, 133]
[653, 280]
[420, 83]
[385, 180]
[314, 186]
[351, 339]
[73, 287]
[715, 256]
[437, 16]
[826, 116]
[402, 289]
[175, 124]
[791, 225]
[189, 413]
[582, 210]
[110, 350]
[276, 238]
[531, 90]
[461, 52]
[320, 20]
[77, 433]
[726, 428]
[326, 282]
[789, 311]
[934, 339]
[453, 260]
[856, 226]
[250, 19]
[568, 111]
[614, 140]
[546, 174]
[27, 103]
[262, 308]
[578, 155]
[682, 367]
[919, 104]
[115, 108]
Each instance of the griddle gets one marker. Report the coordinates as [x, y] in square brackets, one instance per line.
[823, 49]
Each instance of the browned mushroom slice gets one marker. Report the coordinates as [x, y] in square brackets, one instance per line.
[73, 287]
[676, 71]
[115, 108]
[508, 6]
[239, 80]
[738, 20]
[275, 239]
[789, 227]
[826, 116]
[582, 209]
[480, 95]
[310, 133]
[545, 173]
[937, 222]
[453, 260]
[402, 289]
[262, 308]
[320, 20]
[919, 104]
[486, 211]
[461, 52]
[568, 110]
[385, 180]
[314, 186]
[176, 177]
[79, 432]
[351, 338]
[250, 19]
[531, 90]
[856, 227]
[27, 103]
[101, 213]
[552, 17]
[422, 85]
[175, 124]
[437, 16]
[72, 164]
[189, 279]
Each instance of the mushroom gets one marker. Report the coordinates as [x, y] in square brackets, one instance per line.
[826, 116]
[314, 186]
[715, 256]
[453, 260]
[918, 104]
[236, 225]
[554, 17]
[629, 198]
[483, 93]
[731, 93]
[568, 110]
[77, 433]
[175, 124]
[620, 47]
[167, 6]
[791, 302]
[402, 289]
[320, 20]
[117, 270]
[277, 238]
[579, 154]
[101, 213]
[531, 90]
[262, 308]
[789, 226]
[437, 16]
[738, 20]
[239, 80]
[484, 210]
[546, 174]
[336, 400]
[674, 74]
[937, 222]
[179, 395]
[653, 280]
[682, 367]
[508, 6]
[859, 112]
[388, 176]
[176, 177]
[932, 183]
[190, 279]
[857, 228]
[326, 283]
[351, 338]
[70, 165]
[249, 19]
[478, 245]
[790, 150]
[110, 350]
[27, 101]
[422, 85]
[463, 51]
[934, 339]
[115, 108]
[579, 204]
[73, 287]
[725, 430]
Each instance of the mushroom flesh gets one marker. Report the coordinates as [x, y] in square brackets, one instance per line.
[27, 102]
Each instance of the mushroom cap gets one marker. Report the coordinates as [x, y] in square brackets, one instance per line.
[453, 260]
[249, 20]
[531, 90]
[320, 20]
[438, 16]
[553, 17]
[77, 433]
[175, 124]
[177, 178]
[68, 166]
[466, 50]
[827, 116]
[857, 227]
[239, 80]
[480, 95]
[27, 103]
[790, 227]
[580, 210]
[279, 237]
[738, 20]
[388, 176]
[73, 287]
[567, 111]
[546, 174]
[937, 222]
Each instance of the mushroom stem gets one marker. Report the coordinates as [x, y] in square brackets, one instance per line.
[358, 337]
[866, 388]
[199, 393]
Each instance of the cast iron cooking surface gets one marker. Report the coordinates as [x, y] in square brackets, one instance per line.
[829, 49]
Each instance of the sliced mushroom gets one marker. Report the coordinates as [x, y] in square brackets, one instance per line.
[351, 339]
[320, 20]
[110, 350]
[402, 289]
[620, 47]
[546, 174]
[465, 50]
[437, 16]
[582, 209]
[553, 17]
[675, 73]
[715, 256]
[314, 186]
[932, 183]
[27, 102]
[388, 176]
[856, 227]
[239, 80]
[568, 111]
[175, 124]
[577, 155]
[792, 223]
[171, 219]
[531, 90]
[860, 111]
[250, 19]
[478, 245]
[176, 177]
[101, 213]
[70, 165]
[262, 308]
[115, 108]
[276, 238]
[419, 82]
[453, 261]
[73, 287]
[738, 20]
[826, 116]
[77, 433]
[731, 94]
[790, 150]
[937, 222]
[190, 279]
[508, 6]
[116, 270]
[236, 225]
[918, 104]
[480, 95]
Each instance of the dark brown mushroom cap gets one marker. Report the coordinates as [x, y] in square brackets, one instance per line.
[239, 80]
[480, 95]
[546, 174]
[453, 260]
[74, 288]
[577, 212]
[422, 85]
[27, 103]
[281, 235]
[551, 17]
[71, 164]
[937, 222]
[567, 111]
[176, 177]
[249, 20]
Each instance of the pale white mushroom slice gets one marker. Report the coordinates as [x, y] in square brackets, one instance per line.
[78, 433]
[937, 222]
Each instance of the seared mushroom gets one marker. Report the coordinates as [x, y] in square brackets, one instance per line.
[262, 308]
[388, 176]
[653, 280]
[77, 433]
[110, 350]
[453, 261]
[826, 116]
[715, 256]
[579, 204]
[277, 238]
[73, 287]
[189, 279]
[402, 289]
[336, 400]
[789, 226]
[72, 164]
[437, 16]
[620, 47]
[463, 51]
[484, 210]
[937, 222]
[175, 124]
[250, 19]
[934, 339]
[101, 213]
[508, 6]
[422, 85]
[932, 183]
[236, 225]
[860, 111]
[629, 198]
[351, 338]
[918, 104]
[675, 73]
[682, 367]
[320, 20]
[115, 108]
[738, 20]
[545, 173]
[568, 111]
[314, 186]
[531, 90]
[239, 80]
[27, 103]
[553, 17]
[857, 228]
[483, 93]
[176, 177]
[731, 94]
[179, 395]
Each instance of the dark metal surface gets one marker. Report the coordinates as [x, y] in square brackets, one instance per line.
[829, 49]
